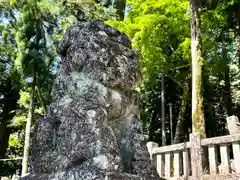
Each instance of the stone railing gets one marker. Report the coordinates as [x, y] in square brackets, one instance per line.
[185, 160]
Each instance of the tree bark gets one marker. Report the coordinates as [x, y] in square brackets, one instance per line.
[28, 130]
[179, 126]
[227, 92]
[227, 86]
[238, 46]
[171, 122]
[198, 122]
[152, 127]
[41, 98]
[163, 111]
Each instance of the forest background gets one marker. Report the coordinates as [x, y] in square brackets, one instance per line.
[160, 31]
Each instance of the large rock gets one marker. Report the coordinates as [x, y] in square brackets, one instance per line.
[92, 130]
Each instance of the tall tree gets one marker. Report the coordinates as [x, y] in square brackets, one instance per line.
[9, 79]
[180, 121]
[198, 121]
[152, 26]
[163, 110]
[35, 45]
[9, 94]
[226, 76]
[37, 19]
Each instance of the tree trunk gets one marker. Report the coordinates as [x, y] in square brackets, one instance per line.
[28, 130]
[4, 137]
[238, 46]
[120, 5]
[152, 127]
[163, 111]
[41, 98]
[171, 121]
[198, 122]
[227, 92]
[179, 126]
[227, 86]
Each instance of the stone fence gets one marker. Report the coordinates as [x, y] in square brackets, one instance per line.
[185, 160]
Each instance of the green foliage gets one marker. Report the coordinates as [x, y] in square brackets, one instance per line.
[29, 33]
[24, 99]
[15, 145]
[160, 32]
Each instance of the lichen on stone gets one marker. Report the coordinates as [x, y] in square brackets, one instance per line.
[91, 130]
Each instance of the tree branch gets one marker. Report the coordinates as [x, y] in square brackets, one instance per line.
[174, 80]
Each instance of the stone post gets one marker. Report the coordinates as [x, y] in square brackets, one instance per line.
[196, 156]
[150, 146]
[234, 128]
[233, 125]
